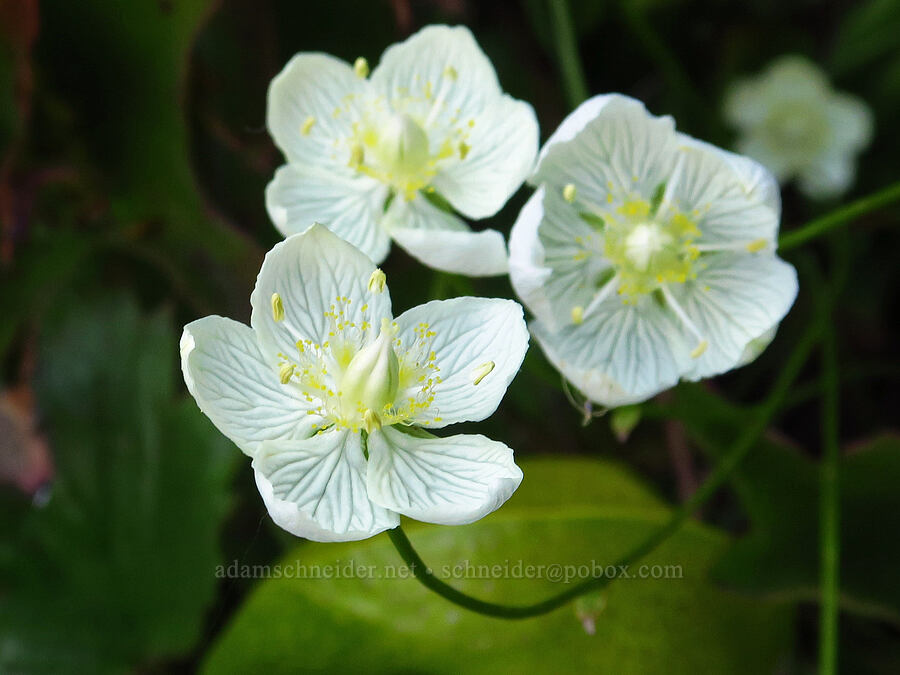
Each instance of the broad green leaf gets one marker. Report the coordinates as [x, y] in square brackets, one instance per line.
[778, 486]
[116, 569]
[565, 513]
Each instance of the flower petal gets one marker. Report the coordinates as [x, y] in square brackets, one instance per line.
[311, 104]
[450, 481]
[549, 264]
[735, 299]
[298, 197]
[828, 176]
[851, 123]
[310, 271]
[469, 335]
[502, 148]
[621, 354]
[620, 151]
[442, 241]
[731, 201]
[316, 488]
[237, 388]
[438, 63]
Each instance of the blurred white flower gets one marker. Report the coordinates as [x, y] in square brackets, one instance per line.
[391, 156]
[791, 120]
[327, 393]
[647, 256]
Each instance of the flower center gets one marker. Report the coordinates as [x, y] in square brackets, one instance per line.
[352, 381]
[369, 384]
[796, 129]
[647, 250]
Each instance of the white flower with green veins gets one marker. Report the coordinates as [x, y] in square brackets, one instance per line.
[392, 156]
[646, 255]
[329, 395]
[791, 120]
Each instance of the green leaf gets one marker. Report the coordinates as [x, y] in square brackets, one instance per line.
[118, 568]
[567, 513]
[778, 486]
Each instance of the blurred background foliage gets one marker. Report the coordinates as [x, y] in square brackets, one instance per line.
[133, 158]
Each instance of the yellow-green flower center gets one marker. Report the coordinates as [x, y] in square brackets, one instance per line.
[646, 249]
[355, 382]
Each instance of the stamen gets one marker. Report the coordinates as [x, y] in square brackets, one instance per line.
[277, 307]
[577, 315]
[569, 192]
[754, 246]
[357, 156]
[361, 67]
[307, 125]
[286, 372]
[464, 149]
[482, 372]
[702, 343]
[377, 281]
[602, 294]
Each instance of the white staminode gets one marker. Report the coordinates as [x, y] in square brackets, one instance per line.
[391, 156]
[791, 120]
[327, 393]
[647, 256]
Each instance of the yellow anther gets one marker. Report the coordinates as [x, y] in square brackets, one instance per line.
[286, 372]
[277, 307]
[377, 281]
[757, 245]
[361, 67]
[357, 156]
[450, 73]
[307, 126]
[482, 372]
[577, 314]
[569, 193]
[464, 149]
[699, 349]
[371, 422]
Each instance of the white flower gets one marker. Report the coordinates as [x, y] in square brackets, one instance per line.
[326, 393]
[792, 121]
[385, 157]
[646, 255]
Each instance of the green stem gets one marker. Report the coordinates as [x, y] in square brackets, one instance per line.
[839, 216]
[567, 52]
[717, 478]
[829, 509]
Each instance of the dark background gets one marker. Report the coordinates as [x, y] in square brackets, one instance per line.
[133, 159]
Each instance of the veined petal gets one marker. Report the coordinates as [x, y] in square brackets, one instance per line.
[316, 488]
[757, 181]
[621, 354]
[478, 343]
[311, 272]
[621, 151]
[735, 299]
[350, 207]
[730, 201]
[527, 271]
[450, 481]
[439, 64]
[444, 242]
[502, 148]
[237, 388]
[311, 103]
[556, 258]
